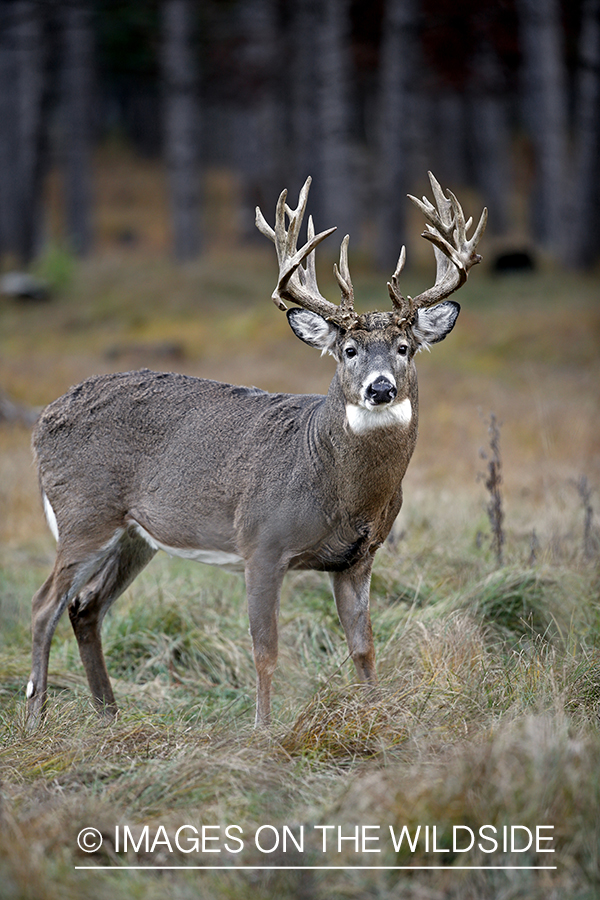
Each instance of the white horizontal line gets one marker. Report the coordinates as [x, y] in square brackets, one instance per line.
[234, 868]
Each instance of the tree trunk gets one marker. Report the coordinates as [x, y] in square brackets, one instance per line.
[546, 115]
[320, 111]
[450, 136]
[397, 65]
[23, 90]
[77, 131]
[491, 136]
[9, 133]
[334, 110]
[304, 124]
[259, 125]
[583, 224]
[181, 125]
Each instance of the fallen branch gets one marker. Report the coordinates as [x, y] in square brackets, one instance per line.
[11, 412]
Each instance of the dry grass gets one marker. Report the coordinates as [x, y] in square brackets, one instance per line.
[490, 679]
[479, 720]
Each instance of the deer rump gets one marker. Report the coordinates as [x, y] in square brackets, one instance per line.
[180, 462]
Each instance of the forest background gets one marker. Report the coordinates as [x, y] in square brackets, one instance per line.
[501, 97]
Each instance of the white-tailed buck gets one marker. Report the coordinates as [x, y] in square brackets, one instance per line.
[143, 461]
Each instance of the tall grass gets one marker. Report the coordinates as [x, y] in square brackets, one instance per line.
[486, 714]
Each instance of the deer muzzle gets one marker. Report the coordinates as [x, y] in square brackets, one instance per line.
[380, 391]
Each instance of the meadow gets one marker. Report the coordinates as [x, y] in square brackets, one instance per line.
[487, 714]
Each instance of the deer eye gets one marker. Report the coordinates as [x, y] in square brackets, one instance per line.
[350, 352]
[403, 349]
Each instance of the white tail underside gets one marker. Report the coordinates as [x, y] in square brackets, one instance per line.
[50, 517]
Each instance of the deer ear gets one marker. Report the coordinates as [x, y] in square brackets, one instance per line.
[313, 329]
[434, 323]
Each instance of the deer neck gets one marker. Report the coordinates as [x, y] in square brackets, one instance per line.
[367, 464]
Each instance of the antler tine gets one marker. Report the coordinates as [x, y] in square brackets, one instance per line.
[447, 230]
[308, 276]
[444, 210]
[297, 283]
[310, 259]
[289, 284]
[343, 278]
[399, 302]
[401, 263]
[296, 216]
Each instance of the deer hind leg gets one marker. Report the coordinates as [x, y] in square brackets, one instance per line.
[351, 591]
[263, 587]
[129, 555]
[47, 607]
[88, 587]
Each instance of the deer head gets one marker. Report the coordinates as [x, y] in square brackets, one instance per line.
[374, 349]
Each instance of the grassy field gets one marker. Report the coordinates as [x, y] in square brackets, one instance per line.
[490, 677]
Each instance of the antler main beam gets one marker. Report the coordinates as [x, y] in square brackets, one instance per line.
[298, 283]
[455, 254]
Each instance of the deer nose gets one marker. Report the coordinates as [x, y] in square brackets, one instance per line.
[381, 391]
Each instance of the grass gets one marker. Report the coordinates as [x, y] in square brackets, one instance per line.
[486, 715]
[487, 709]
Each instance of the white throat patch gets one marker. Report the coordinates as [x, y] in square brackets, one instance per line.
[361, 418]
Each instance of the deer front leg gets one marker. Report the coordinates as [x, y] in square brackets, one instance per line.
[263, 588]
[351, 591]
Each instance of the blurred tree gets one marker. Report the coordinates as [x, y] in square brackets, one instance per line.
[181, 124]
[24, 84]
[545, 97]
[259, 133]
[77, 103]
[491, 147]
[362, 94]
[447, 37]
[320, 110]
[127, 41]
[334, 108]
[399, 53]
[583, 221]
[9, 133]
[303, 24]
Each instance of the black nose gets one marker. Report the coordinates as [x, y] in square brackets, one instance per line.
[381, 391]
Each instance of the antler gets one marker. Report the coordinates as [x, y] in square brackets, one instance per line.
[298, 284]
[446, 229]
[454, 252]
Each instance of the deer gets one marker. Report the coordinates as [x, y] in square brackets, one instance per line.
[264, 483]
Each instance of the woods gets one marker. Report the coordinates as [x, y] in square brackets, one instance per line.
[502, 97]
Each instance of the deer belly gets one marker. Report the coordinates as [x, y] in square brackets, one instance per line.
[230, 561]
